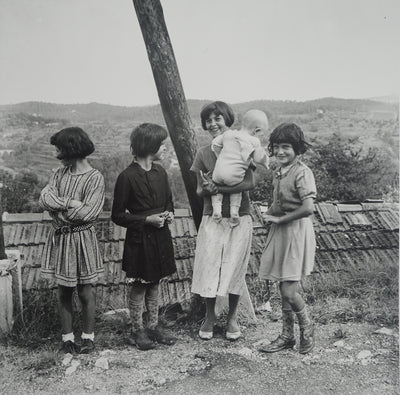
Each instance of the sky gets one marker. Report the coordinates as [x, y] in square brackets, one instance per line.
[81, 51]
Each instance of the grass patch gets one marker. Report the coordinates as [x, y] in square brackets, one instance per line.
[369, 293]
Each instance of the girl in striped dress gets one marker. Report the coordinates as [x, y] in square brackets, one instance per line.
[74, 198]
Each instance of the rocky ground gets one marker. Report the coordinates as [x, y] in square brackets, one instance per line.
[351, 358]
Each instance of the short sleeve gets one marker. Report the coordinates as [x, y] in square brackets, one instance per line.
[198, 163]
[305, 184]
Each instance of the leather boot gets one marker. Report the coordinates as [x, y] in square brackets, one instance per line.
[141, 340]
[307, 339]
[279, 344]
[160, 336]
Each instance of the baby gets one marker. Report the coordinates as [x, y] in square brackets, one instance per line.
[235, 150]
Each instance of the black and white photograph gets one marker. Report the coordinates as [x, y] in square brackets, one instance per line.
[199, 197]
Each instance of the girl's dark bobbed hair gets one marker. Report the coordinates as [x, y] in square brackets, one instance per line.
[288, 133]
[146, 139]
[218, 108]
[73, 143]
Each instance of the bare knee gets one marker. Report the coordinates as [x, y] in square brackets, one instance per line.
[289, 292]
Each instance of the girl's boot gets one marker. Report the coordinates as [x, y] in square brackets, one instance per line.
[307, 339]
[154, 331]
[139, 336]
[286, 338]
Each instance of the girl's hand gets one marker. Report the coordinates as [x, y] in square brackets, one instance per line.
[168, 216]
[208, 184]
[156, 220]
[271, 219]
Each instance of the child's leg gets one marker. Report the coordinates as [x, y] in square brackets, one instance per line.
[151, 300]
[286, 337]
[65, 312]
[216, 201]
[210, 318]
[235, 201]
[87, 298]
[153, 330]
[136, 299]
[232, 327]
[290, 294]
[65, 308]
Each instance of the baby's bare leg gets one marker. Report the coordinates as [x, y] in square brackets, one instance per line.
[235, 201]
[216, 201]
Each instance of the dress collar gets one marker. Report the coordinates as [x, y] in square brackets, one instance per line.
[283, 171]
[136, 165]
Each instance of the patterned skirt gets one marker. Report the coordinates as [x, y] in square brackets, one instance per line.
[72, 258]
[289, 251]
[222, 256]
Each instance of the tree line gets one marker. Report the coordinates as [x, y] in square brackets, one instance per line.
[343, 170]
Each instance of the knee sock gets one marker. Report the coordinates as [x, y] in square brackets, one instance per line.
[287, 323]
[136, 297]
[303, 318]
[152, 305]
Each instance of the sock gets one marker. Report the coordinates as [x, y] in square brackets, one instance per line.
[89, 336]
[68, 337]
[135, 302]
[303, 318]
[287, 323]
[152, 306]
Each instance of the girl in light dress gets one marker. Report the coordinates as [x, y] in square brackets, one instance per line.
[290, 247]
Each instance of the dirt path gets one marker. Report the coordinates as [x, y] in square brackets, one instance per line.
[361, 362]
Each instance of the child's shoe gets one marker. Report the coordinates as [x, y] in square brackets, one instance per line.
[87, 346]
[160, 336]
[70, 347]
[307, 340]
[141, 340]
[279, 344]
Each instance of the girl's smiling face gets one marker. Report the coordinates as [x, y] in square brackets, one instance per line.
[215, 125]
[284, 153]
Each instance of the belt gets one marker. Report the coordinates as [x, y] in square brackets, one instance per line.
[63, 230]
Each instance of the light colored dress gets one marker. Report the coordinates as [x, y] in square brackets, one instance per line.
[222, 252]
[290, 248]
[73, 258]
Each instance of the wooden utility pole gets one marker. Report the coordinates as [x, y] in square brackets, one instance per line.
[170, 93]
[2, 246]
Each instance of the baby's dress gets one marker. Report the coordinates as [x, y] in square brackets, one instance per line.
[234, 158]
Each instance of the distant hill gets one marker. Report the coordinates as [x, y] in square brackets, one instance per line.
[100, 112]
[25, 130]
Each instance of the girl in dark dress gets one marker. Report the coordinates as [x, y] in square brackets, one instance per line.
[143, 204]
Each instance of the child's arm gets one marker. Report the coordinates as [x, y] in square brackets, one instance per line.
[89, 209]
[206, 186]
[217, 144]
[305, 210]
[261, 157]
[119, 214]
[50, 200]
[168, 214]
[247, 184]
